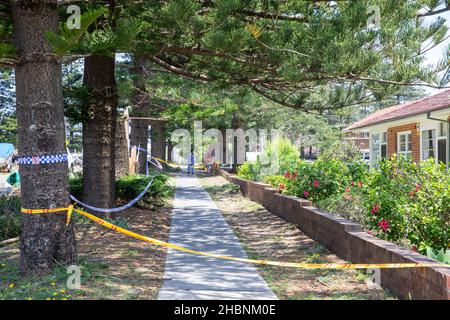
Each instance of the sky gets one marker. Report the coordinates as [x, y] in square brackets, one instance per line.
[434, 55]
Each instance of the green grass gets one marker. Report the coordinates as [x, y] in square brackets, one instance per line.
[50, 287]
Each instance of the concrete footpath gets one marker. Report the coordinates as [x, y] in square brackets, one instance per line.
[198, 224]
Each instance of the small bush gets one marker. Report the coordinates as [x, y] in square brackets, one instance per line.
[130, 186]
[319, 180]
[278, 157]
[276, 181]
[9, 217]
[76, 186]
[249, 171]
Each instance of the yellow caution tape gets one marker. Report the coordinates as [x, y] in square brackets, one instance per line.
[160, 160]
[253, 261]
[69, 210]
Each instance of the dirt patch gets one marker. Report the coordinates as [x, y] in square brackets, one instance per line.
[114, 266]
[266, 236]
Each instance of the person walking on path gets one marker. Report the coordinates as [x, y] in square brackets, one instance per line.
[191, 163]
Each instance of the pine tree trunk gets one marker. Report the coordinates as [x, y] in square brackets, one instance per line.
[99, 132]
[158, 141]
[141, 108]
[40, 116]
[122, 156]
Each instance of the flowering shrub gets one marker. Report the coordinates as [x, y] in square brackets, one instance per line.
[276, 181]
[321, 179]
[412, 201]
[400, 201]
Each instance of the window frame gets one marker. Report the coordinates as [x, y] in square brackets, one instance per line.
[380, 144]
[437, 138]
[409, 152]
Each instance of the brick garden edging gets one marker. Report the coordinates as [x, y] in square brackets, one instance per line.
[348, 241]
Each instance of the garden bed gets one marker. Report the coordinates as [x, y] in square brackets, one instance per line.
[266, 236]
[348, 241]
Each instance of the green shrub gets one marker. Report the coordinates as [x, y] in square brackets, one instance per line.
[319, 180]
[278, 157]
[76, 186]
[9, 217]
[249, 170]
[412, 201]
[348, 205]
[130, 186]
[275, 181]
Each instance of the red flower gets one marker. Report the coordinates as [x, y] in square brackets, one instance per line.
[414, 248]
[353, 183]
[287, 175]
[295, 175]
[360, 184]
[316, 183]
[384, 224]
[306, 194]
[347, 189]
[281, 187]
[375, 208]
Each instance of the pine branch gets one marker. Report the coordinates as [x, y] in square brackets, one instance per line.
[68, 39]
[275, 16]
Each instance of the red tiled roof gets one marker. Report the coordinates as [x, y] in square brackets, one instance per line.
[438, 101]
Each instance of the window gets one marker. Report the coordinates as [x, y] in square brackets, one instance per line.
[442, 150]
[428, 144]
[434, 142]
[383, 145]
[378, 146]
[404, 145]
[442, 143]
[375, 147]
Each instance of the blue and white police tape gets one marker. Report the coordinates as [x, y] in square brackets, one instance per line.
[118, 209]
[153, 161]
[47, 159]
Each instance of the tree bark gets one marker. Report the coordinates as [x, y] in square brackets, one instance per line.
[122, 156]
[40, 116]
[158, 141]
[99, 132]
[141, 108]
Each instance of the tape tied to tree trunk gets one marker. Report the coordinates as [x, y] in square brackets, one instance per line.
[46, 159]
[69, 211]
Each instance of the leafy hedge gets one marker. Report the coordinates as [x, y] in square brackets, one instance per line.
[400, 201]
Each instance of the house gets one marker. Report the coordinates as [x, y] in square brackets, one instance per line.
[360, 140]
[417, 130]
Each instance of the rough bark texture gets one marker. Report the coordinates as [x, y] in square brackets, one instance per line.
[122, 156]
[158, 141]
[99, 132]
[40, 116]
[141, 108]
